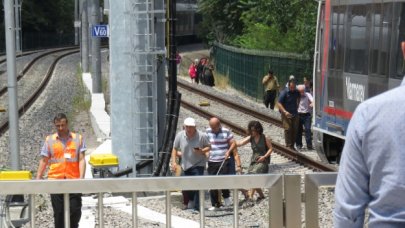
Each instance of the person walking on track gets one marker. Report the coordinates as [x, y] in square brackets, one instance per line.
[64, 152]
[194, 145]
[271, 86]
[222, 145]
[304, 114]
[288, 107]
[262, 149]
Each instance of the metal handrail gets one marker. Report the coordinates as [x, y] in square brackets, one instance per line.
[313, 182]
[273, 182]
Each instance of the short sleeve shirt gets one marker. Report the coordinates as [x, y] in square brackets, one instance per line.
[47, 153]
[186, 145]
[289, 99]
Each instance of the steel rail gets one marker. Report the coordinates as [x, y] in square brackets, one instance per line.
[4, 125]
[28, 66]
[278, 148]
[230, 104]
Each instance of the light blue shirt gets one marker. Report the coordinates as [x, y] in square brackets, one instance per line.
[372, 168]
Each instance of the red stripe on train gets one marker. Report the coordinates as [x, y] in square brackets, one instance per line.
[338, 112]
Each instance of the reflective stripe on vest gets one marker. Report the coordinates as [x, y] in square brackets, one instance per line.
[64, 159]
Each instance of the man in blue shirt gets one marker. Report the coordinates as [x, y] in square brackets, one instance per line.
[288, 107]
[372, 171]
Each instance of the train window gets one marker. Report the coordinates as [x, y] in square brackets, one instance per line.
[385, 40]
[380, 39]
[356, 46]
[337, 38]
[375, 38]
[400, 61]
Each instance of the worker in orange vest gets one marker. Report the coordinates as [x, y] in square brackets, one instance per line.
[64, 151]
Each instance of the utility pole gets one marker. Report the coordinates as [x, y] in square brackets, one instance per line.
[17, 16]
[85, 37]
[95, 48]
[76, 22]
[12, 84]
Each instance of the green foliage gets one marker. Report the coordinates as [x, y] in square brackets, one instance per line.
[278, 25]
[47, 16]
[221, 20]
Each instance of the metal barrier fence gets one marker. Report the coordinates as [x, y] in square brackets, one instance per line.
[284, 201]
[245, 68]
[312, 184]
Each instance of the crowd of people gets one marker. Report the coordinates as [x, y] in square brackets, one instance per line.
[202, 71]
[216, 149]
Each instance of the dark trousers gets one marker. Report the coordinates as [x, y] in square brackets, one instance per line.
[290, 126]
[193, 195]
[75, 201]
[304, 123]
[231, 165]
[213, 168]
[270, 98]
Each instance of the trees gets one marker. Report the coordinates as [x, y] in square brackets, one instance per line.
[48, 16]
[279, 25]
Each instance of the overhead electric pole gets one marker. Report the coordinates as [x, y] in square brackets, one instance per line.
[76, 22]
[12, 84]
[85, 37]
[95, 47]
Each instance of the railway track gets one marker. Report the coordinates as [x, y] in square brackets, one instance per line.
[280, 149]
[29, 101]
[267, 118]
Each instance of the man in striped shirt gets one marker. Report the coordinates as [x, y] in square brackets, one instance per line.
[222, 144]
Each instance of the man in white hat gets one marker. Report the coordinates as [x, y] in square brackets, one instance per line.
[292, 77]
[192, 146]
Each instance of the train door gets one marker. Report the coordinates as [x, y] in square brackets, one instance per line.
[319, 71]
[328, 79]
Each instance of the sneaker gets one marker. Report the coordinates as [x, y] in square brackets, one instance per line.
[212, 208]
[193, 211]
[190, 204]
[227, 202]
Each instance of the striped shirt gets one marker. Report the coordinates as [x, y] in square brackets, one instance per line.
[220, 143]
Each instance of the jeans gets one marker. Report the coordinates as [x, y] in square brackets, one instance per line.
[305, 120]
[193, 195]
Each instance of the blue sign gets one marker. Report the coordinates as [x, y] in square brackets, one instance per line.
[100, 31]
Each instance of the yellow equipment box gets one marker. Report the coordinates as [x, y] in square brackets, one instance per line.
[15, 175]
[100, 160]
[204, 103]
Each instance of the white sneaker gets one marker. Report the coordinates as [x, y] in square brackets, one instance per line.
[227, 202]
[212, 208]
[190, 204]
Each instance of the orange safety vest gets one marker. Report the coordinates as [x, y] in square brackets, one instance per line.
[64, 160]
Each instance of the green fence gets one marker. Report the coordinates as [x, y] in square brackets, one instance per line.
[246, 68]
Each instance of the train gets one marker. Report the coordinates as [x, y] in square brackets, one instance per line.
[357, 56]
[187, 23]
